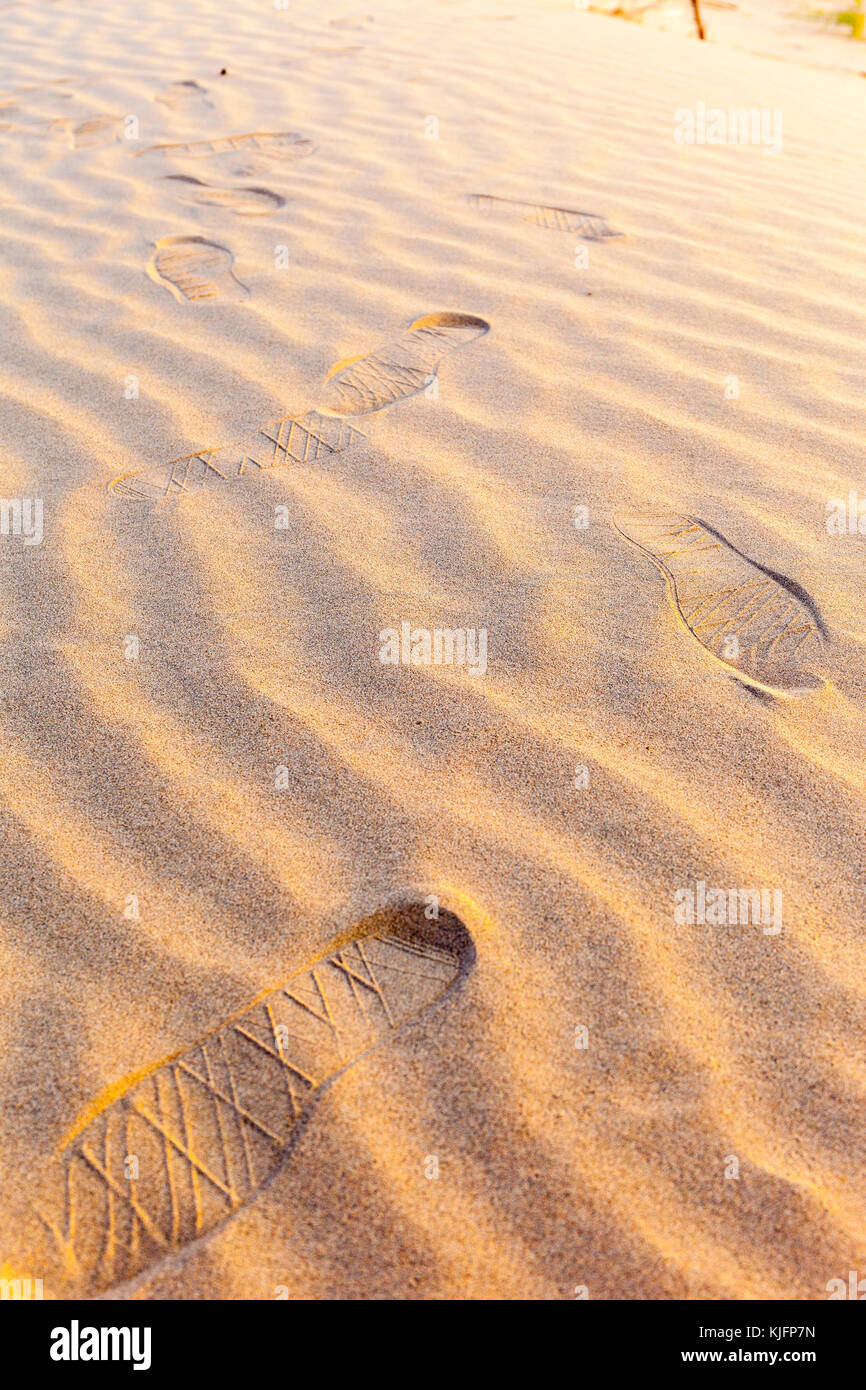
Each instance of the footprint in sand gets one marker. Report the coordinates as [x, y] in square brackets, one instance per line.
[41, 108]
[240, 155]
[90, 133]
[355, 387]
[400, 368]
[588, 225]
[193, 268]
[276, 145]
[185, 96]
[294, 438]
[759, 625]
[246, 202]
[174, 1154]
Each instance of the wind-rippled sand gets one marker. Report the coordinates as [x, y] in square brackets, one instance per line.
[259, 782]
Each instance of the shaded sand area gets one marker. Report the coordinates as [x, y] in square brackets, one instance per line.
[428, 319]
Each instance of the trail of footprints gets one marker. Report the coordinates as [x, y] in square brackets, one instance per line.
[356, 386]
[754, 622]
[182, 1149]
[205, 270]
[240, 156]
[185, 1147]
[247, 155]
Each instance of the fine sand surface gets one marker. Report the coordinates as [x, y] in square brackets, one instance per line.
[551, 1087]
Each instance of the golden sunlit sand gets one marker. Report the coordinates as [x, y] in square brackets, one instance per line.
[433, 735]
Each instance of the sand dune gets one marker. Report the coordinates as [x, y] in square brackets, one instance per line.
[210, 776]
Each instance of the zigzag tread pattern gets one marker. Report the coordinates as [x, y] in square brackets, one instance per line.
[284, 144]
[183, 1148]
[294, 438]
[590, 226]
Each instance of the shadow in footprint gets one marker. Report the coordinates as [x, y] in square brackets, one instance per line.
[758, 624]
[355, 386]
[794, 589]
[185, 96]
[246, 202]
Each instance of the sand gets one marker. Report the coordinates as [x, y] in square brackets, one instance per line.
[620, 1102]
